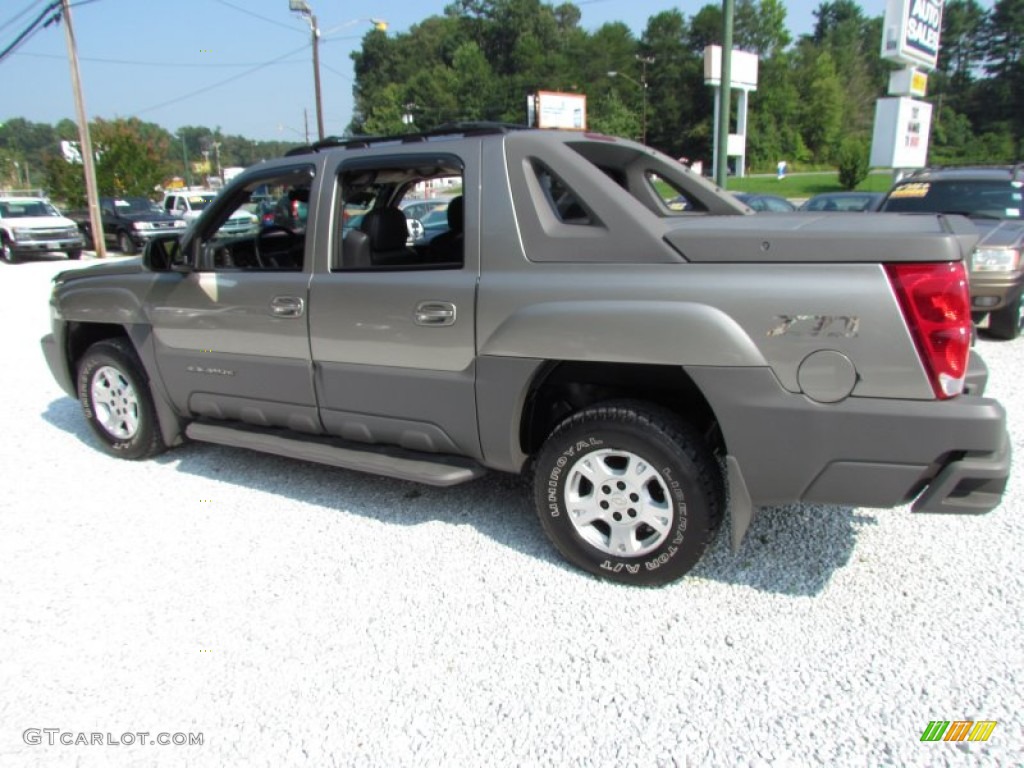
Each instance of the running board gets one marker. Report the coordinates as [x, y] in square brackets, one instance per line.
[428, 468]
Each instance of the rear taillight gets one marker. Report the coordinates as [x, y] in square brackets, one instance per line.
[935, 301]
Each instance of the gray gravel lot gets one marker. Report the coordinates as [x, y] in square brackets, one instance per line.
[301, 615]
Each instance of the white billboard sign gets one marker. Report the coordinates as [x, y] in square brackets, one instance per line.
[560, 110]
[744, 68]
[902, 128]
[911, 31]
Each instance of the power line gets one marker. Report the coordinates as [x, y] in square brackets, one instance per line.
[18, 15]
[247, 12]
[31, 29]
[142, 63]
[218, 84]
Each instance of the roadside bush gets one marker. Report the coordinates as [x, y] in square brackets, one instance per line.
[853, 163]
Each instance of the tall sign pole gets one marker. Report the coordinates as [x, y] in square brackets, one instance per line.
[91, 190]
[722, 166]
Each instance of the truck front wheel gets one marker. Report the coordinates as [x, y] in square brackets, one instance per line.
[125, 244]
[628, 492]
[7, 250]
[1008, 322]
[114, 393]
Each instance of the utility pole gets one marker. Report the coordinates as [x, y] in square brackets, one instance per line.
[184, 156]
[91, 191]
[722, 171]
[305, 122]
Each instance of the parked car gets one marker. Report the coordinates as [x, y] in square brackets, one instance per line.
[417, 209]
[187, 205]
[991, 196]
[647, 367]
[128, 222]
[435, 222]
[292, 210]
[844, 201]
[765, 203]
[34, 225]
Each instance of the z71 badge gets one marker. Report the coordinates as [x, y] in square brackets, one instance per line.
[816, 326]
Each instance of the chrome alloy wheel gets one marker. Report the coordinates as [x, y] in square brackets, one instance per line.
[115, 403]
[618, 503]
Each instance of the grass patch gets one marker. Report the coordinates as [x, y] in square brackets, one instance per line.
[798, 185]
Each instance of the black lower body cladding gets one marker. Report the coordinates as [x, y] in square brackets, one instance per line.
[860, 452]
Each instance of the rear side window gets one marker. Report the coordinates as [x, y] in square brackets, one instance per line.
[565, 203]
[979, 198]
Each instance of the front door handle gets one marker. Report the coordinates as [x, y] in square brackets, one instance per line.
[435, 313]
[287, 306]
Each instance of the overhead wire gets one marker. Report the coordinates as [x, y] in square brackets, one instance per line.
[94, 60]
[31, 29]
[212, 86]
[264, 18]
[19, 14]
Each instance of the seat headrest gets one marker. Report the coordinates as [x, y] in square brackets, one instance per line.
[387, 229]
[455, 214]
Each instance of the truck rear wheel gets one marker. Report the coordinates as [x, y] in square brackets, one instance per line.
[114, 393]
[628, 492]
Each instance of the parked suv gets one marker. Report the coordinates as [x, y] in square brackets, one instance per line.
[33, 225]
[645, 365]
[991, 196]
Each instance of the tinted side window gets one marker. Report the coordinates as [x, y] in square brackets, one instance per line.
[377, 233]
[565, 203]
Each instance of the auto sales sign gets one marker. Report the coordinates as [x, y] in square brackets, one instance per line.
[911, 32]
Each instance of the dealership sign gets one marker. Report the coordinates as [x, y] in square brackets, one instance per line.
[911, 32]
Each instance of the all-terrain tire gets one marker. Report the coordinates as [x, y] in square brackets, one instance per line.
[114, 392]
[1008, 322]
[125, 244]
[628, 491]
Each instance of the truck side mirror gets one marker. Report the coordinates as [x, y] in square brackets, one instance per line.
[165, 254]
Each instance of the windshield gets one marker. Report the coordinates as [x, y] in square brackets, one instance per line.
[136, 205]
[20, 209]
[978, 198]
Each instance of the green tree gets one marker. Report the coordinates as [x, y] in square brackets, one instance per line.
[853, 162]
[821, 113]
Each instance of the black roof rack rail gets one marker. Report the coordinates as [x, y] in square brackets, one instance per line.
[466, 129]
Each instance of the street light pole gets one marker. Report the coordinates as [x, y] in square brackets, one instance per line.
[644, 61]
[316, 76]
[303, 8]
[643, 87]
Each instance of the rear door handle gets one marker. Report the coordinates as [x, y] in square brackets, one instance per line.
[435, 313]
[287, 306]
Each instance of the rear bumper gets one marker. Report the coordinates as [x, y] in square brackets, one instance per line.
[952, 455]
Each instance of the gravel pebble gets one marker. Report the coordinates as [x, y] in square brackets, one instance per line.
[302, 615]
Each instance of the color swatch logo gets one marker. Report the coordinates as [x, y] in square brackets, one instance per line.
[958, 730]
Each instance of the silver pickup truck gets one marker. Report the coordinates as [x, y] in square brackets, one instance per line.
[648, 364]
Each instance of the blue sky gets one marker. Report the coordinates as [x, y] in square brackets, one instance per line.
[158, 55]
